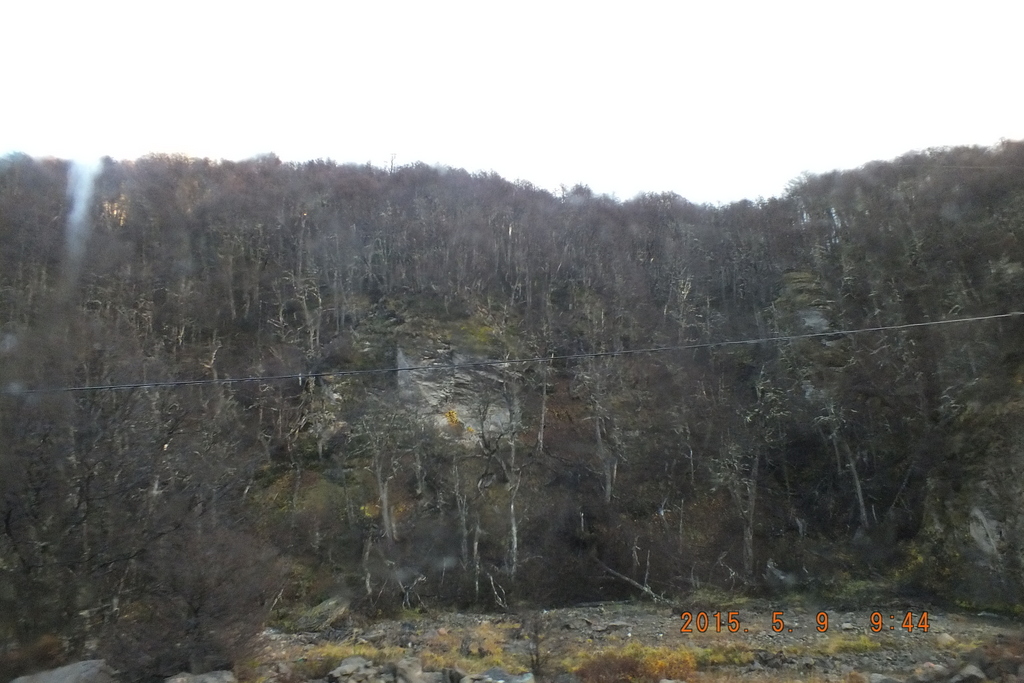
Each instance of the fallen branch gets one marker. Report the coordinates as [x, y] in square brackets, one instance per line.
[646, 589]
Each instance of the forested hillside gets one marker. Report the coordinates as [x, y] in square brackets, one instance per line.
[170, 521]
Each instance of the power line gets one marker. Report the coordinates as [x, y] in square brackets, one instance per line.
[302, 376]
[994, 168]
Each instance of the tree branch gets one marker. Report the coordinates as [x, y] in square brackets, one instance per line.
[646, 589]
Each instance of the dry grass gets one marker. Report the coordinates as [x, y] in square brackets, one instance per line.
[612, 659]
[850, 645]
[728, 654]
[479, 648]
[636, 663]
[45, 653]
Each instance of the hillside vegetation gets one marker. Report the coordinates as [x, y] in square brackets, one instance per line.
[166, 524]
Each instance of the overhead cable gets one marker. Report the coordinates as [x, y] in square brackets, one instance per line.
[304, 376]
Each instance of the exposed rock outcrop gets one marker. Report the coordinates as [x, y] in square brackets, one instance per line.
[457, 401]
[90, 671]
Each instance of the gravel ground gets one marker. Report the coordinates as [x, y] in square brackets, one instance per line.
[805, 646]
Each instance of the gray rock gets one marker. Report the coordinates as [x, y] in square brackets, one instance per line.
[455, 391]
[356, 661]
[409, 670]
[348, 667]
[91, 671]
[882, 678]
[499, 675]
[452, 675]
[930, 673]
[772, 660]
[211, 677]
[944, 640]
[433, 677]
[321, 617]
[968, 674]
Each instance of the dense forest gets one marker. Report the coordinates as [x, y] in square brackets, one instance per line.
[239, 393]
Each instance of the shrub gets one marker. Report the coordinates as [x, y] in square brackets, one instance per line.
[44, 653]
[202, 598]
[637, 664]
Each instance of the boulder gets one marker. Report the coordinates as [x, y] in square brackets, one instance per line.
[409, 670]
[882, 678]
[968, 674]
[930, 673]
[806, 663]
[772, 660]
[324, 615]
[452, 675]
[210, 677]
[348, 666]
[91, 671]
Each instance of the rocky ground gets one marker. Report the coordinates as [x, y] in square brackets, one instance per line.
[814, 642]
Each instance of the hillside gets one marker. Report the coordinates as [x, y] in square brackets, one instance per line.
[380, 390]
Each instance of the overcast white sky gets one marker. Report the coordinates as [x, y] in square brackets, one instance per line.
[716, 101]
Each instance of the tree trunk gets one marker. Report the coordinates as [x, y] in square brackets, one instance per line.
[514, 537]
[607, 462]
[543, 409]
[514, 481]
[385, 504]
[750, 517]
[856, 486]
[476, 560]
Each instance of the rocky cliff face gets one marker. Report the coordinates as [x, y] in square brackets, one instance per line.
[975, 524]
[448, 392]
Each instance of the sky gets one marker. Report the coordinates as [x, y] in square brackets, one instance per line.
[715, 101]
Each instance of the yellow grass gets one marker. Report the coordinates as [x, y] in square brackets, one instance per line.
[636, 663]
[476, 649]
